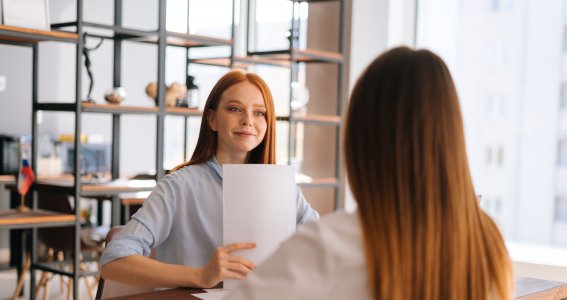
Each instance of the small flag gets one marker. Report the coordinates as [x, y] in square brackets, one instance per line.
[25, 177]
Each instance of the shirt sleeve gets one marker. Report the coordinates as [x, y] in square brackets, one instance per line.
[305, 213]
[296, 270]
[149, 226]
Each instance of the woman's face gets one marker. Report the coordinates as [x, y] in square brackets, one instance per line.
[240, 119]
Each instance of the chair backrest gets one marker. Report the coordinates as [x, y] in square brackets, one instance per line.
[62, 238]
[109, 288]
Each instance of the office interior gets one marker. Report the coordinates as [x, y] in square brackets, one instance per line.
[507, 57]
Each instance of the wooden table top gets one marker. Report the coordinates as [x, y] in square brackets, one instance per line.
[173, 294]
[532, 288]
[33, 217]
[7, 178]
[526, 289]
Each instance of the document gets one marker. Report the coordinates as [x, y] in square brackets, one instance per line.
[212, 294]
[258, 206]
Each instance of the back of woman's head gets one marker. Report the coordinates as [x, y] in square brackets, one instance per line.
[425, 236]
[207, 141]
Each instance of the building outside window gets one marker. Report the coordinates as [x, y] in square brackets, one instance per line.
[507, 59]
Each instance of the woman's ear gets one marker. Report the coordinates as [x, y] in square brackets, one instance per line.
[211, 118]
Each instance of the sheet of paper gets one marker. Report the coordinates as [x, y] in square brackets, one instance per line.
[212, 294]
[258, 206]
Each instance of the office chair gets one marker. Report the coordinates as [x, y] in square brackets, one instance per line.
[109, 288]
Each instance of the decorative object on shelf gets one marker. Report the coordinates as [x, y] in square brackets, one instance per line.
[299, 96]
[25, 180]
[151, 90]
[192, 99]
[174, 94]
[26, 13]
[115, 95]
[86, 52]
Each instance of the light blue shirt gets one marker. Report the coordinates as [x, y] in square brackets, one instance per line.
[182, 219]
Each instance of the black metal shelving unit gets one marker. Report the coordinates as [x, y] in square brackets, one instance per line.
[291, 58]
[74, 32]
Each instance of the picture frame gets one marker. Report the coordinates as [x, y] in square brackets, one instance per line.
[26, 13]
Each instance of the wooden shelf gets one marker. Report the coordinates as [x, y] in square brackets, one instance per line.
[28, 35]
[313, 1]
[115, 187]
[118, 108]
[14, 218]
[186, 40]
[279, 58]
[317, 119]
[242, 62]
[7, 179]
[301, 55]
[183, 111]
[194, 40]
[318, 183]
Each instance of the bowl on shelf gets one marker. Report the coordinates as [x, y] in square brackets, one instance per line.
[115, 95]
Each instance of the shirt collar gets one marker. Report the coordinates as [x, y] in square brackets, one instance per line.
[215, 166]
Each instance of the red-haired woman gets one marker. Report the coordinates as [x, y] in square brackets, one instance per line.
[182, 218]
[418, 232]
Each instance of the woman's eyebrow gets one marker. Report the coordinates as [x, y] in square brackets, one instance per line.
[234, 101]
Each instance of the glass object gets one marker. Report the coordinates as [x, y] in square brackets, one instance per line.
[299, 95]
[192, 92]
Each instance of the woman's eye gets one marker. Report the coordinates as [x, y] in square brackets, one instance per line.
[234, 108]
[260, 113]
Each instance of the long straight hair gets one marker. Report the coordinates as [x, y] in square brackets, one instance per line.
[425, 236]
[207, 142]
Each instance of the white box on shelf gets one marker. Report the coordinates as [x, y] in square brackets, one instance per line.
[26, 13]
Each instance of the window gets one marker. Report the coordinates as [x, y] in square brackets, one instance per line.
[561, 209]
[562, 153]
[495, 105]
[563, 101]
[501, 5]
[494, 156]
[499, 53]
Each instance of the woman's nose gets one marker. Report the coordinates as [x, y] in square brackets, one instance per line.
[247, 119]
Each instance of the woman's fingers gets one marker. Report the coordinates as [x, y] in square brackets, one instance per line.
[238, 246]
[240, 268]
[239, 260]
[223, 265]
[233, 275]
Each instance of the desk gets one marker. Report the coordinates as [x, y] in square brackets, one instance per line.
[526, 289]
[532, 288]
[172, 294]
[108, 190]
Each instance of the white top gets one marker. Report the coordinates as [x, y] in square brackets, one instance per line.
[182, 219]
[323, 260]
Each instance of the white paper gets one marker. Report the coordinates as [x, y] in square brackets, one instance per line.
[258, 206]
[212, 294]
[26, 13]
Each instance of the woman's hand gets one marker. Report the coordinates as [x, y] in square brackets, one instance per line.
[223, 265]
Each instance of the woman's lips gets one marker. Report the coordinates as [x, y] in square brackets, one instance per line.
[244, 133]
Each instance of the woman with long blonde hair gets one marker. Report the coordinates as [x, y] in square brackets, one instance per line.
[418, 232]
[182, 218]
